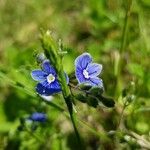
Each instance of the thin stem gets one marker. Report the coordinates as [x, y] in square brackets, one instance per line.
[17, 85]
[122, 113]
[68, 98]
[51, 49]
[59, 108]
[125, 27]
[102, 135]
[123, 46]
[144, 143]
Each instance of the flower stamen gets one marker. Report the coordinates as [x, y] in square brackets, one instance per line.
[86, 74]
[50, 78]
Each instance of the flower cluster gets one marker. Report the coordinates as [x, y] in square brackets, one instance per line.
[85, 71]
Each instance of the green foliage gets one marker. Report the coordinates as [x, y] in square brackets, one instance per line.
[95, 26]
[93, 96]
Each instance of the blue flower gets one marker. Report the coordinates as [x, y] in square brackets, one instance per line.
[38, 117]
[86, 71]
[47, 78]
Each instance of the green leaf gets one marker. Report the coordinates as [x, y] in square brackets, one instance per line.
[124, 92]
[85, 87]
[96, 91]
[108, 102]
[91, 101]
[81, 98]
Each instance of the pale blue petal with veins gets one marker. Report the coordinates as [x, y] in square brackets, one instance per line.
[86, 71]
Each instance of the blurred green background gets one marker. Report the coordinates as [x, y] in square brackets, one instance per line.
[94, 26]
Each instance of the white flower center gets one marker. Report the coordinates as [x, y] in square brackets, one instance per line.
[50, 78]
[86, 74]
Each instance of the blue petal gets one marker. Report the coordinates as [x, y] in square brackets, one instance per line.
[94, 69]
[79, 75]
[40, 117]
[96, 82]
[54, 85]
[48, 68]
[38, 75]
[83, 60]
[81, 63]
[45, 90]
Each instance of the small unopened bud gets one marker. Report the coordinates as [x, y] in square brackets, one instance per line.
[130, 98]
[40, 57]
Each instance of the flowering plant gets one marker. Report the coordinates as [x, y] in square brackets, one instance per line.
[53, 79]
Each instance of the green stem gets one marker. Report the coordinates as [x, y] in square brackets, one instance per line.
[101, 134]
[122, 113]
[123, 46]
[125, 27]
[51, 50]
[69, 100]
